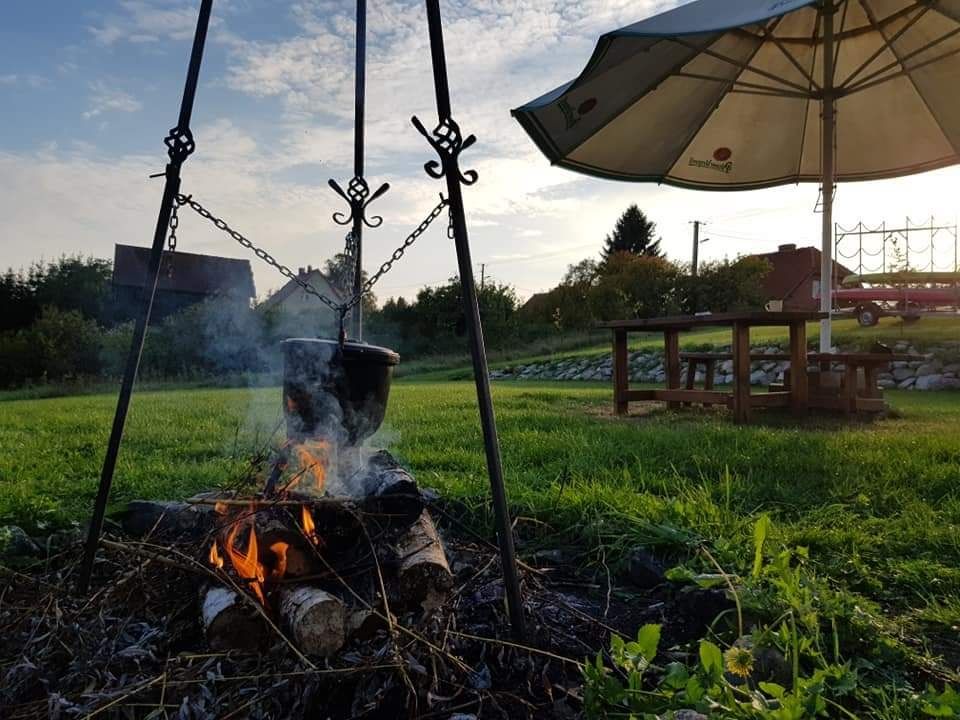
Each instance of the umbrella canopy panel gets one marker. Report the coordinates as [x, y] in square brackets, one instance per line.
[727, 95]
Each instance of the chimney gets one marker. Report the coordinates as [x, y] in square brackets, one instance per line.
[789, 247]
[300, 272]
[309, 269]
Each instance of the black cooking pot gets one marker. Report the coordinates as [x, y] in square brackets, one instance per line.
[337, 393]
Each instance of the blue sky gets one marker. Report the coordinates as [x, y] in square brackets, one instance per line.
[89, 89]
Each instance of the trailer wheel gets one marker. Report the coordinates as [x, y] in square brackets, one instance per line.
[868, 315]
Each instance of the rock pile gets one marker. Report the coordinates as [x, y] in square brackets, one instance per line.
[940, 369]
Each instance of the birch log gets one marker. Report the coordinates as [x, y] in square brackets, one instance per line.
[315, 619]
[229, 622]
[425, 576]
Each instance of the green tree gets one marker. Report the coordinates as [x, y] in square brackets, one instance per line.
[340, 271]
[75, 283]
[634, 233]
[639, 286]
[726, 285]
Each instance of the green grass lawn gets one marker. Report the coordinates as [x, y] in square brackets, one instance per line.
[876, 503]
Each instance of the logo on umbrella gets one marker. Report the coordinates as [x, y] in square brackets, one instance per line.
[720, 162]
[572, 117]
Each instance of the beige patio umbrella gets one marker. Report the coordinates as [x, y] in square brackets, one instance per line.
[744, 94]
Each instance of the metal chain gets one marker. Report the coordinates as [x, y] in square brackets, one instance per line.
[398, 253]
[288, 273]
[172, 240]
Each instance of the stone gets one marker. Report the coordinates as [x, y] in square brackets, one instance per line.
[929, 382]
[950, 383]
[930, 368]
[887, 383]
[953, 368]
[14, 542]
[902, 373]
[907, 384]
[645, 570]
[758, 377]
[689, 715]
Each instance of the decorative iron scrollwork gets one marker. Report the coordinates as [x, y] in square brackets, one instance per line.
[180, 144]
[358, 197]
[449, 142]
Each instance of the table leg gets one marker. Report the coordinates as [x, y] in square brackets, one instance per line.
[872, 390]
[799, 390]
[621, 369]
[671, 355]
[741, 372]
[691, 377]
[850, 388]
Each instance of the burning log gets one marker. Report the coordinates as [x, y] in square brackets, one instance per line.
[425, 576]
[315, 618]
[229, 621]
[287, 546]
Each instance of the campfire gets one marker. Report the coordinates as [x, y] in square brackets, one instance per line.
[317, 564]
[335, 535]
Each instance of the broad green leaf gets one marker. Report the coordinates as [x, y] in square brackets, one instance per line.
[676, 677]
[679, 574]
[694, 690]
[648, 639]
[772, 689]
[711, 658]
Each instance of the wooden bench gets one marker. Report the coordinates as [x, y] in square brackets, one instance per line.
[847, 396]
[709, 361]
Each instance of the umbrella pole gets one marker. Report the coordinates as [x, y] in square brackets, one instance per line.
[827, 130]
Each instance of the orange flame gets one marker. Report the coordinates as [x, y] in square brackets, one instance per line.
[221, 508]
[309, 529]
[313, 458]
[214, 556]
[279, 550]
[246, 562]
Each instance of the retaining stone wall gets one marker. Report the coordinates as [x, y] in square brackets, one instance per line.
[939, 370]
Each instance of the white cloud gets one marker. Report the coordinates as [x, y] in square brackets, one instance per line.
[144, 21]
[28, 80]
[105, 99]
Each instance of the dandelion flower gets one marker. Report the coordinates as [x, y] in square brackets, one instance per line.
[739, 661]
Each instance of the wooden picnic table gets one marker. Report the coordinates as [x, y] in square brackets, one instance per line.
[796, 397]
